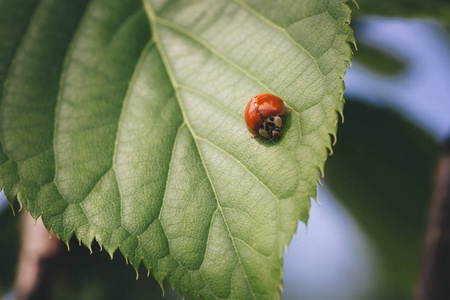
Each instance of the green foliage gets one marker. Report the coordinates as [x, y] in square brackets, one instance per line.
[122, 122]
[378, 60]
[439, 9]
[381, 171]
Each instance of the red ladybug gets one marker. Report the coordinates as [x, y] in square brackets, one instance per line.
[263, 115]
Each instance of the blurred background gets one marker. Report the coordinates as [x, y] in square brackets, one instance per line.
[365, 239]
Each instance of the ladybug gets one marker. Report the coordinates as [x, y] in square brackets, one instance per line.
[263, 115]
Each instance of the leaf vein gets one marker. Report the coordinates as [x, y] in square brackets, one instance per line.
[208, 47]
[212, 100]
[237, 160]
[132, 81]
[169, 169]
[153, 20]
[62, 83]
[279, 28]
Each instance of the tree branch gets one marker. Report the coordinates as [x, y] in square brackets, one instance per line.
[36, 252]
[434, 282]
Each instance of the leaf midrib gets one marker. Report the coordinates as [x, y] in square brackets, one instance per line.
[155, 19]
[181, 30]
[152, 18]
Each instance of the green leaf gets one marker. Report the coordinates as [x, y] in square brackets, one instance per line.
[382, 170]
[125, 122]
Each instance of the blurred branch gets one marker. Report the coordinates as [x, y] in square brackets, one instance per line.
[36, 253]
[435, 274]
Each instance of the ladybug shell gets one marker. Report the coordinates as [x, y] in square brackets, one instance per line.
[260, 107]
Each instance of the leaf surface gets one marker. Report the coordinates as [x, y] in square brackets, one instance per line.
[14, 20]
[125, 122]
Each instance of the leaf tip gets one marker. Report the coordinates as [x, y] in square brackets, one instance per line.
[353, 42]
[354, 2]
[331, 151]
[322, 174]
[137, 273]
[161, 286]
[350, 63]
[306, 228]
[12, 208]
[341, 113]
[334, 135]
[317, 202]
